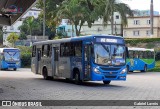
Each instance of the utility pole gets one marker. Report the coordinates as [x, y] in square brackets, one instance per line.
[115, 28]
[44, 18]
[151, 19]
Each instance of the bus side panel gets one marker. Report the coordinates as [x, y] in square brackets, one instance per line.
[46, 62]
[33, 64]
[76, 62]
[64, 67]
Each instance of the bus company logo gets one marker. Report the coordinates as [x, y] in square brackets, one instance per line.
[6, 103]
[12, 9]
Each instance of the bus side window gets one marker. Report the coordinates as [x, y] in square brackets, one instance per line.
[62, 50]
[144, 54]
[45, 51]
[78, 49]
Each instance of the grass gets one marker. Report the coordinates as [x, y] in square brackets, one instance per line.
[157, 67]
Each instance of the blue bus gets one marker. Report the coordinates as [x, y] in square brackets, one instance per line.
[85, 58]
[9, 58]
[140, 59]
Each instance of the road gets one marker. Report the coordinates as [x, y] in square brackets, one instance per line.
[24, 85]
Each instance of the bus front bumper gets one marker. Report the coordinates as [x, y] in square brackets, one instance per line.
[104, 77]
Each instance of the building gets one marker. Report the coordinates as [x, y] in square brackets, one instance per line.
[139, 27]
[65, 29]
[15, 27]
[98, 27]
[137, 12]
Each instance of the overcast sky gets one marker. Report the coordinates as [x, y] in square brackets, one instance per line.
[143, 4]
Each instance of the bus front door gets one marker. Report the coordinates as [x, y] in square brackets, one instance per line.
[55, 61]
[38, 67]
[87, 65]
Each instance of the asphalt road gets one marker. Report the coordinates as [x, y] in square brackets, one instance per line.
[24, 85]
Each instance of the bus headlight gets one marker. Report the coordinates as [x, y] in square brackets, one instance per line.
[96, 70]
[123, 71]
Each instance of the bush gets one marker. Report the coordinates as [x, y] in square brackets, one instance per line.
[157, 57]
[25, 59]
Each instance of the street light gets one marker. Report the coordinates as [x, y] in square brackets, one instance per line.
[4, 34]
[44, 18]
[151, 19]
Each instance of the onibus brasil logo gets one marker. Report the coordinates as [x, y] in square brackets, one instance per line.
[12, 9]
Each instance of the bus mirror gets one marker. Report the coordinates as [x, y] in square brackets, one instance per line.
[127, 53]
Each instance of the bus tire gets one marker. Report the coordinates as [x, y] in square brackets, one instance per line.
[106, 82]
[45, 74]
[77, 78]
[145, 69]
[15, 69]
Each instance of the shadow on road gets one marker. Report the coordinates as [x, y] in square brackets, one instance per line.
[85, 83]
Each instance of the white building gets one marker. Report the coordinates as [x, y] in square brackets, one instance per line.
[15, 27]
[98, 28]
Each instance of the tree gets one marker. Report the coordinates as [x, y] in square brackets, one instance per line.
[52, 6]
[29, 26]
[112, 6]
[80, 11]
[22, 36]
[12, 38]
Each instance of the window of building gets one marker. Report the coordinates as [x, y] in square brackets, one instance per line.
[148, 22]
[136, 22]
[35, 13]
[30, 13]
[117, 16]
[148, 32]
[136, 33]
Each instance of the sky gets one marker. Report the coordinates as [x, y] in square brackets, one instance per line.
[143, 4]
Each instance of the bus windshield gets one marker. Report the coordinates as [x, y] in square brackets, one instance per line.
[105, 54]
[12, 56]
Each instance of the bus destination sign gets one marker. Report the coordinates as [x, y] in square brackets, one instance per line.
[109, 40]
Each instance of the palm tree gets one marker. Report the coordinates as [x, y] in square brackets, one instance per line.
[113, 6]
[30, 24]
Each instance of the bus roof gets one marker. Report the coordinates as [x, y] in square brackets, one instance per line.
[139, 49]
[76, 39]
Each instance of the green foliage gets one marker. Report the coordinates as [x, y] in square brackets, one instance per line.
[12, 38]
[57, 37]
[25, 55]
[52, 6]
[26, 60]
[112, 6]
[81, 11]
[157, 67]
[30, 26]
[22, 36]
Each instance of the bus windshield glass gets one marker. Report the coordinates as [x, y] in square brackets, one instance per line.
[12, 56]
[109, 54]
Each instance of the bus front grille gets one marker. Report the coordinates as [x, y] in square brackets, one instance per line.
[110, 76]
[110, 69]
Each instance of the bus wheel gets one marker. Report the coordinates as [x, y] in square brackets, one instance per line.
[45, 74]
[77, 78]
[15, 69]
[106, 82]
